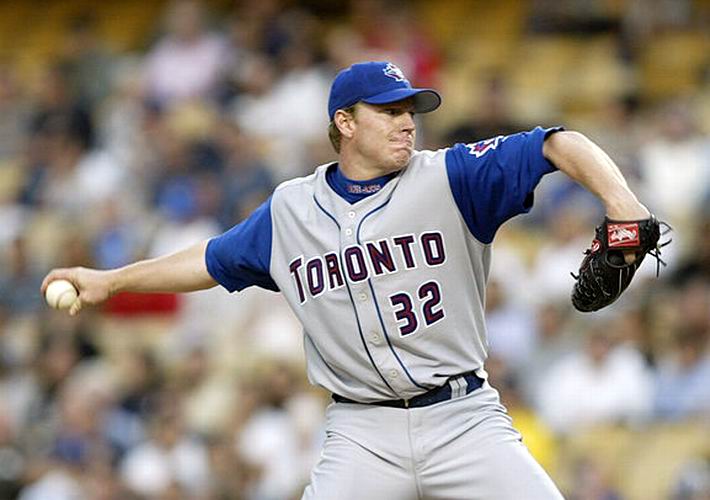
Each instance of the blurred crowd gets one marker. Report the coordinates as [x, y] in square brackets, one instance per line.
[111, 156]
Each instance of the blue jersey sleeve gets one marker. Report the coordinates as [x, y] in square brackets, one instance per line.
[494, 180]
[240, 257]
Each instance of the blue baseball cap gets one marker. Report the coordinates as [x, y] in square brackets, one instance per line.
[377, 83]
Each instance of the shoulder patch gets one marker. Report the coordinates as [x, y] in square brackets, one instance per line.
[480, 148]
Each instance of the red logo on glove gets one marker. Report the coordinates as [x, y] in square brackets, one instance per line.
[596, 245]
[622, 235]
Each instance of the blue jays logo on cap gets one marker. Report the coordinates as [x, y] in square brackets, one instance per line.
[377, 83]
[394, 72]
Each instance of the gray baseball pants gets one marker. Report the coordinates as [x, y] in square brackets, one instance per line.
[464, 448]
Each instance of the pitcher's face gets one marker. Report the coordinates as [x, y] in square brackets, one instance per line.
[384, 134]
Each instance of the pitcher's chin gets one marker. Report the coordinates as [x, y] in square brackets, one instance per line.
[401, 158]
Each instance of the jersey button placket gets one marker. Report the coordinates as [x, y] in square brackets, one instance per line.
[361, 296]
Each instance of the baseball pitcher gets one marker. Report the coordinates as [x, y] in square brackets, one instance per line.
[383, 256]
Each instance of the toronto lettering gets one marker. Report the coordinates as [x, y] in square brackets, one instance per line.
[358, 263]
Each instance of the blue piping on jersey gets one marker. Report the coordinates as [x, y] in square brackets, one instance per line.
[377, 306]
[350, 295]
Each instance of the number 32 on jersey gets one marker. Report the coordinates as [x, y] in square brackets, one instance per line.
[425, 308]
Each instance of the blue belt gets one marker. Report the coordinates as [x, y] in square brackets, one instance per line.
[455, 387]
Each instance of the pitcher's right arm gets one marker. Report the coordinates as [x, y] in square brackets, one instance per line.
[183, 271]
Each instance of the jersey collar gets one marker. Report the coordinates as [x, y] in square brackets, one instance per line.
[337, 204]
[351, 190]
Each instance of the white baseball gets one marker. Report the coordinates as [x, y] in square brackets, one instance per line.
[60, 294]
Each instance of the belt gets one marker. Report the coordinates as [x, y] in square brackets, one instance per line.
[455, 387]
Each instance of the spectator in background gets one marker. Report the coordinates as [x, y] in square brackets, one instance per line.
[185, 155]
[298, 95]
[537, 436]
[57, 410]
[606, 383]
[72, 173]
[572, 16]
[187, 61]
[15, 112]
[247, 180]
[490, 117]
[187, 196]
[124, 120]
[57, 355]
[343, 46]
[57, 109]
[61, 479]
[18, 392]
[642, 19]
[556, 338]
[269, 439]
[137, 397]
[169, 461]
[675, 166]
[592, 482]
[86, 61]
[618, 129]
[566, 236]
[120, 236]
[19, 279]
[696, 264]
[693, 306]
[79, 178]
[682, 389]
[510, 326]
[692, 480]
[56, 119]
[390, 31]
[13, 460]
[207, 395]
[230, 477]
[261, 27]
[79, 423]
[257, 30]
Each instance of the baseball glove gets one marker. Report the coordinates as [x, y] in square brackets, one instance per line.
[604, 273]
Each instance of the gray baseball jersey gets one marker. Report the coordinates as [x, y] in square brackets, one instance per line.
[387, 276]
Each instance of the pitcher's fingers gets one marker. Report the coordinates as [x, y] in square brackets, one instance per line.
[75, 307]
[629, 257]
[57, 274]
